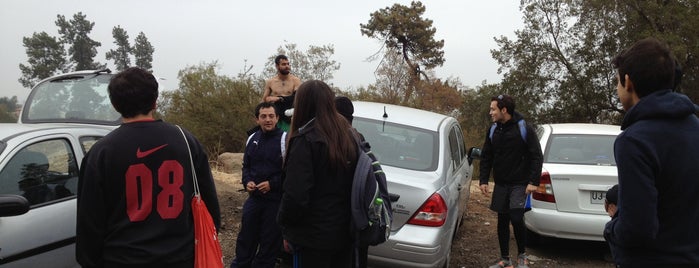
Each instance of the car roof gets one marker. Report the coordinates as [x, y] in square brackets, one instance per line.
[12, 129]
[584, 128]
[398, 114]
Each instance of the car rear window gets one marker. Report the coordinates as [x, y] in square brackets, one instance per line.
[581, 149]
[400, 145]
[72, 99]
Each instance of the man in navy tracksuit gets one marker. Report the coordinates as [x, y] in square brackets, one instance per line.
[657, 217]
[259, 239]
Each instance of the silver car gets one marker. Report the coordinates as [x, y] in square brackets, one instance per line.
[578, 169]
[39, 160]
[428, 172]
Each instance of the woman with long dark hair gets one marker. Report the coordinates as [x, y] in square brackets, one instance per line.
[317, 181]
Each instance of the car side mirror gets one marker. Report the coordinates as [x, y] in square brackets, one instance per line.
[474, 153]
[13, 205]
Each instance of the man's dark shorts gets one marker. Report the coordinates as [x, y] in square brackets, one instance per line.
[508, 196]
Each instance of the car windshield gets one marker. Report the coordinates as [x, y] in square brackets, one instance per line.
[81, 98]
[400, 145]
[581, 149]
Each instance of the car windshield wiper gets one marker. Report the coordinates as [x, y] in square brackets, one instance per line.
[80, 77]
[106, 70]
[67, 78]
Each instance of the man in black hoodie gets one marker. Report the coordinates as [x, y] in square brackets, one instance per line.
[658, 211]
[511, 149]
[136, 187]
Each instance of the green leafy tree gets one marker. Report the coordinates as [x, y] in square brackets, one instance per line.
[46, 57]
[675, 22]
[120, 55]
[143, 52]
[82, 49]
[216, 108]
[558, 67]
[403, 29]
[313, 64]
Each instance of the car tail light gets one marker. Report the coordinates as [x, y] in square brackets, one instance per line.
[432, 213]
[545, 191]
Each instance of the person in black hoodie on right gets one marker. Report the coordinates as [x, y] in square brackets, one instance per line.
[656, 224]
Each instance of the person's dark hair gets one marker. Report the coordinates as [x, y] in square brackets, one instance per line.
[649, 64]
[505, 101]
[344, 107]
[265, 105]
[133, 92]
[315, 99]
[279, 58]
[612, 195]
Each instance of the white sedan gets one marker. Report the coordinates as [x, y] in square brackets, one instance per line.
[579, 167]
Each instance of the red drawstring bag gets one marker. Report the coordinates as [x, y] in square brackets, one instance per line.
[207, 249]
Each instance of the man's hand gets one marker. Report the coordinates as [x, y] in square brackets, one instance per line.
[484, 188]
[530, 189]
[264, 187]
[250, 187]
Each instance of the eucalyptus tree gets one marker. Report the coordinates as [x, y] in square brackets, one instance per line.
[76, 34]
[122, 54]
[143, 52]
[45, 58]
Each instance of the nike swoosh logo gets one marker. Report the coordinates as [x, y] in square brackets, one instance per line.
[140, 154]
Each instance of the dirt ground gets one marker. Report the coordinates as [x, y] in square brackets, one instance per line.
[475, 244]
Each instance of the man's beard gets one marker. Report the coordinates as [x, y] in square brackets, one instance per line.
[284, 72]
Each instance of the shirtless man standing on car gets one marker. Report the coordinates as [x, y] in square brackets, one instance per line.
[280, 89]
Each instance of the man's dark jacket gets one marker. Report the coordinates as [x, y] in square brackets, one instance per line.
[657, 155]
[512, 160]
[262, 161]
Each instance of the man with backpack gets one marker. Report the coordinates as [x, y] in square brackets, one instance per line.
[371, 205]
[259, 239]
[513, 153]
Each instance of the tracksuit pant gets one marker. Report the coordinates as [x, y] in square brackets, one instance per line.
[259, 240]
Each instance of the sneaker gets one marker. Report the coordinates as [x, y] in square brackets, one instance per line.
[522, 261]
[502, 263]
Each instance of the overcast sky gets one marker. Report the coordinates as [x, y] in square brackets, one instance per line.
[187, 33]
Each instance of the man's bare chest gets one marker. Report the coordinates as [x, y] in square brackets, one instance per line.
[282, 87]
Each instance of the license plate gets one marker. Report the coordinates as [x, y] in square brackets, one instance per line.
[597, 197]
